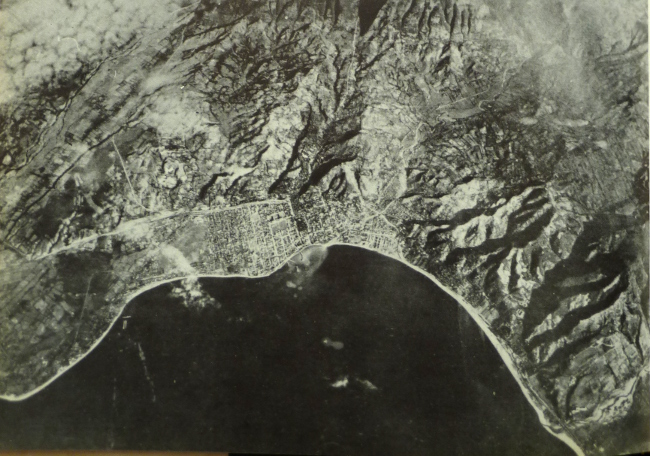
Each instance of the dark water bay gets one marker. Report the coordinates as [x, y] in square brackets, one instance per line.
[364, 356]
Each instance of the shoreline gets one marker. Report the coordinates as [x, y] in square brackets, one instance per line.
[501, 350]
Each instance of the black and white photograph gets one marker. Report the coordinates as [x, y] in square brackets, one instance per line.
[325, 227]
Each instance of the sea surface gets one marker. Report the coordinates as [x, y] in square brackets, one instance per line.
[358, 355]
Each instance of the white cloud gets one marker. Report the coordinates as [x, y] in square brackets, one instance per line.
[40, 40]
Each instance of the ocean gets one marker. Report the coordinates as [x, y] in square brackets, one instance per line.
[357, 354]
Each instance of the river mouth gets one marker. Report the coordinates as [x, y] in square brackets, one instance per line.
[361, 355]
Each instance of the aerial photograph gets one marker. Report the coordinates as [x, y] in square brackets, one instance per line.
[325, 227]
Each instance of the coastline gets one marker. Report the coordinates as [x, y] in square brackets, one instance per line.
[501, 350]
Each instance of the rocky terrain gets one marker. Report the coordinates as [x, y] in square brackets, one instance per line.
[501, 147]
